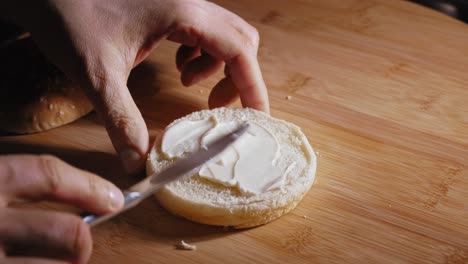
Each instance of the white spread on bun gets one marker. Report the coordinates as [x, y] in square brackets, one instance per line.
[250, 164]
[261, 177]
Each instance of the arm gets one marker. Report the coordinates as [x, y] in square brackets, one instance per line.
[98, 42]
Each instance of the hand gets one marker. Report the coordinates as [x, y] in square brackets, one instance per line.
[98, 42]
[34, 236]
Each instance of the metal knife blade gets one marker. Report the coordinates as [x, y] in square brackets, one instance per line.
[184, 167]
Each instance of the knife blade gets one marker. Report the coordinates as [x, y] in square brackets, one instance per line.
[179, 169]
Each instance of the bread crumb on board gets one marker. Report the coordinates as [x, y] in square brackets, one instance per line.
[288, 97]
[182, 245]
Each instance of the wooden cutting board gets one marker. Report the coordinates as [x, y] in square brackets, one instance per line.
[380, 88]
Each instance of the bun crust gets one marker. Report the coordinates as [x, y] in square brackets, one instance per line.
[206, 202]
[34, 94]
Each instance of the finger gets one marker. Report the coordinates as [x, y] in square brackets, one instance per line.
[224, 93]
[124, 122]
[45, 234]
[32, 261]
[186, 54]
[39, 177]
[247, 77]
[200, 68]
[231, 40]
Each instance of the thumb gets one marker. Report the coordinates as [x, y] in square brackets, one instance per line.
[124, 122]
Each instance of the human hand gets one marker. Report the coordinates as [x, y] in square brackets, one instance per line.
[98, 42]
[35, 236]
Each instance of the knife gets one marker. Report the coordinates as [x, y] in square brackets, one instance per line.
[184, 167]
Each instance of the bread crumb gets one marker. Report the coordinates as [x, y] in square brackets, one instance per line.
[200, 91]
[304, 216]
[51, 106]
[288, 97]
[185, 246]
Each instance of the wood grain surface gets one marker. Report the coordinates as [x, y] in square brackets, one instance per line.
[380, 88]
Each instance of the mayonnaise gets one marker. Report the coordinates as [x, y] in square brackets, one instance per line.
[248, 165]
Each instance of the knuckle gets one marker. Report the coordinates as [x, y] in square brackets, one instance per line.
[79, 236]
[90, 69]
[50, 167]
[254, 35]
[92, 185]
[108, 95]
[249, 36]
[98, 78]
[101, 78]
[118, 120]
[197, 11]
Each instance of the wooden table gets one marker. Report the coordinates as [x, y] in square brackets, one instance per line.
[380, 88]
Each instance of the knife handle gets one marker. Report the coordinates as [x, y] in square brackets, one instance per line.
[131, 199]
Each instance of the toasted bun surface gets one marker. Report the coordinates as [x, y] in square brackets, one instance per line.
[34, 94]
[203, 201]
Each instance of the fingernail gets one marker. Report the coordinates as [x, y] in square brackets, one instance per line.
[116, 198]
[131, 160]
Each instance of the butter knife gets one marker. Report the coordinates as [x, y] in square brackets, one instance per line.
[181, 168]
